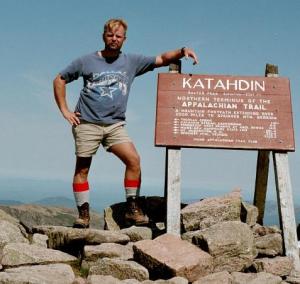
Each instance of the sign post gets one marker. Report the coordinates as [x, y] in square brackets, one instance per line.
[229, 112]
[173, 178]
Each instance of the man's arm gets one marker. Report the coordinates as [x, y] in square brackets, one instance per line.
[168, 57]
[59, 86]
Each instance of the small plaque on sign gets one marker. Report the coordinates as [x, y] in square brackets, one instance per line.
[215, 111]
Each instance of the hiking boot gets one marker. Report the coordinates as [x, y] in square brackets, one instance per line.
[134, 214]
[83, 221]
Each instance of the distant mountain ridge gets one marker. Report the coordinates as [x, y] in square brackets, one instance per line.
[59, 201]
[56, 201]
[10, 202]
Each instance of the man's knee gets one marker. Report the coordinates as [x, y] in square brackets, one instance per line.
[82, 167]
[134, 162]
[82, 172]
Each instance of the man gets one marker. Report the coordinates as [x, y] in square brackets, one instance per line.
[99, 117]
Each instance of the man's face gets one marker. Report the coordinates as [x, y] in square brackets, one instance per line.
[114, 38]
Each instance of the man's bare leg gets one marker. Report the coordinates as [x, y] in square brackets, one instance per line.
[81, 191]
[127, 153]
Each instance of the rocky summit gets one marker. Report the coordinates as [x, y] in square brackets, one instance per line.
[220, 243]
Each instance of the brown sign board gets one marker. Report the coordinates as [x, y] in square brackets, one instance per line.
[227, 112]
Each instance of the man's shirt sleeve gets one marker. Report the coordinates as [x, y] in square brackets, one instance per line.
[72, 72]
[144, 64]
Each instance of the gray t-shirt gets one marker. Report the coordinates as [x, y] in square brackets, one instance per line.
[106, 84]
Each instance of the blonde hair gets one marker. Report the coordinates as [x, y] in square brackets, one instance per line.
[112, 23]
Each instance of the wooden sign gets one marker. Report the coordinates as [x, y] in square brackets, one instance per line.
[214, 111]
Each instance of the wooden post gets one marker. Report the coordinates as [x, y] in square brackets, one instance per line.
[261, 183]
[262, 166]
[286, 206]
[172, 178]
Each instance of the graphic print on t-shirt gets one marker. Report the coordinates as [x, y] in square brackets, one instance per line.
[108, 84]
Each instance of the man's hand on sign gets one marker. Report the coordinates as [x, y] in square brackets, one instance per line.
[168, 57]
[188, 52]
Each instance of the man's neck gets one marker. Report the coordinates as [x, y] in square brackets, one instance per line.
[106, 53]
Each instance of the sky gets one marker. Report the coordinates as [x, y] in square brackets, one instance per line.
[40, 38]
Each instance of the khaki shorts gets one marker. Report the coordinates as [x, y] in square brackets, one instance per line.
[88, 137]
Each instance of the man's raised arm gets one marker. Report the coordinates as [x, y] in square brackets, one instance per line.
[59, 86]
[168, 57]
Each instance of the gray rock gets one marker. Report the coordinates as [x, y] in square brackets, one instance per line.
[222, 277]
[269, 245]
[110, 219]
[31, 215]
[10, 232]
[153, 206]
[280, 265]
[255, 278]
[249, 214]
[230, 243]
[138, 233]
[73, 240]
[259, 230]
[166, 257]
[210, 211]
[16, 254]
[293, 280]
[107, 279]
[39, 240]
[46, 274]
[120, 269]
[80, 280]
[188, 236]
[110, 250]
[7, 217]
[174, 280]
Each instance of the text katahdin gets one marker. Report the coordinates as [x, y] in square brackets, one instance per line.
[226, 85]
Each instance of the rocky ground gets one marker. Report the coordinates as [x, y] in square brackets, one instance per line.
[220, 243]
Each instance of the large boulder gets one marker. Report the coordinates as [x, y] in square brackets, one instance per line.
[269, 245]
[73, 240]
[153, 206]
[249, 213]
[37, 274]
[255, 278]
[40, 240]
[120, 269]
[259, 230]
[137, 233]
[281, 266]
[268, 240]
[210, 211]
[168, 256]
[16, 254]
[222, 277]
[31, 215]
[7, 217]
[10, 232]
[107, 279]
[230, 243]
[110, 250]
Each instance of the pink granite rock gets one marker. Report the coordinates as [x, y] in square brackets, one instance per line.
[210, 211]
[168, 256]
